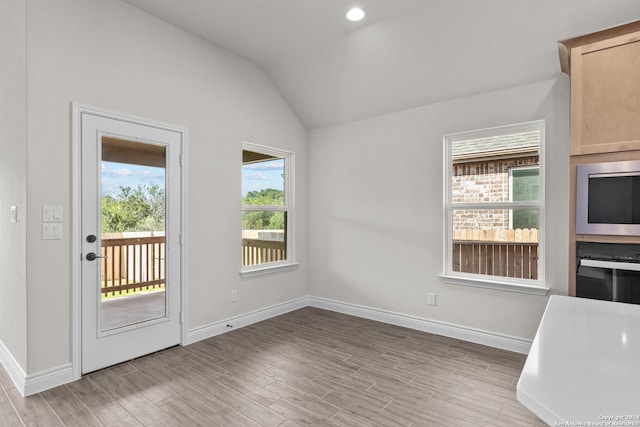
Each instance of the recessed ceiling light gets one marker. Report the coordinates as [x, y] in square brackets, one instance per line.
[355, 14]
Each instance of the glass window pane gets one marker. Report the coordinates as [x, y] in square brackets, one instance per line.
[525, 184]
[470, 220]
[264, 236]
[493, 222]
[482, 166]
[525, 218]
[484, 243]
[262, 179]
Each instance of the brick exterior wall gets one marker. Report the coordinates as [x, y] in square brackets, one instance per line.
[484, 181]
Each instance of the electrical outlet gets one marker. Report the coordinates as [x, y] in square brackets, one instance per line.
[431, 298]
[234, 296]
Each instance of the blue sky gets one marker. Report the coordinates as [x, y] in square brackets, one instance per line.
[115, 175]
[258, 176]
[255, 176]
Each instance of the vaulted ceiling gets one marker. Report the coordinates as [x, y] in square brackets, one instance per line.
[405, 53]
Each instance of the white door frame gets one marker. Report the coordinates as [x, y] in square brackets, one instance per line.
[76, 235]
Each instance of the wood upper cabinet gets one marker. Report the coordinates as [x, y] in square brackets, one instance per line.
[605, 89]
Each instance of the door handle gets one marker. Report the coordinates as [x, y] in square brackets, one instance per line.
[91, 256]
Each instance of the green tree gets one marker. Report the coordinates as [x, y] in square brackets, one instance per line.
[263, 220]
[139, 209]
[156, 199]
[265, 197]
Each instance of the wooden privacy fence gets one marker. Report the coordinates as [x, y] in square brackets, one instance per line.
[498, 252]
[132, 264]
[529, 235]
[256, 251]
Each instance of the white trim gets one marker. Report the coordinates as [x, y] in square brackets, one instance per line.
[76, 232]
[207, 331]
[478, 336]
[498, 130]
[288, 158]
[448, 206]
[76, 236]
[184, 161]
[477, 282]
[44, 380]
[31, 384]
[48, 379]
[13, 368]
[267, 269]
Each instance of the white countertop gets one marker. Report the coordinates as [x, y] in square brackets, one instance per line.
[584, 364]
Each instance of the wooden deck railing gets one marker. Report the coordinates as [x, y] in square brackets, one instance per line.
[132, 264]
[256, 251]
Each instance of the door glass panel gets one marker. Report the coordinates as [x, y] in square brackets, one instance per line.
[132, 217]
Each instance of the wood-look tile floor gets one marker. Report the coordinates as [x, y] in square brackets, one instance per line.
[307, 367]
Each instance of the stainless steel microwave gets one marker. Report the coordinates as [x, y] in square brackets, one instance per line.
[608, 198]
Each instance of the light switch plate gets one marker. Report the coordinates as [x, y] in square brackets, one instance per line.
[431, 298]
[51, 231]
[14, 214]
[52, 213]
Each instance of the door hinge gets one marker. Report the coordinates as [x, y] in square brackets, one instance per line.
[180, 159]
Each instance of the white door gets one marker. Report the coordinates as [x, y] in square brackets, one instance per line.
[130, 230]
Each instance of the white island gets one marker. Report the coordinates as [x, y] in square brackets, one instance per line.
[584, 364]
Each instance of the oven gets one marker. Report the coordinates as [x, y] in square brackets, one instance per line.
[608, 271]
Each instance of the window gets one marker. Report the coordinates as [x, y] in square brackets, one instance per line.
[494, 207]
[267, 209]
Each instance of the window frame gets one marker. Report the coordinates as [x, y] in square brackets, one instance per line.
[289, 209]
[529, 286]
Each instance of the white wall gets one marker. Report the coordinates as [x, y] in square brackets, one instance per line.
[376, 216]
[106, 54]
[13, 180]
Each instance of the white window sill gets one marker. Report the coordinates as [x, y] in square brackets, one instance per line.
[267, 269]
[522, 288]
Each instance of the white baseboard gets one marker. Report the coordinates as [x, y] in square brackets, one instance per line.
[492, 339]
[50, 378]
[33, 383]
[13, 368]
[213, 329]
[478, 336]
